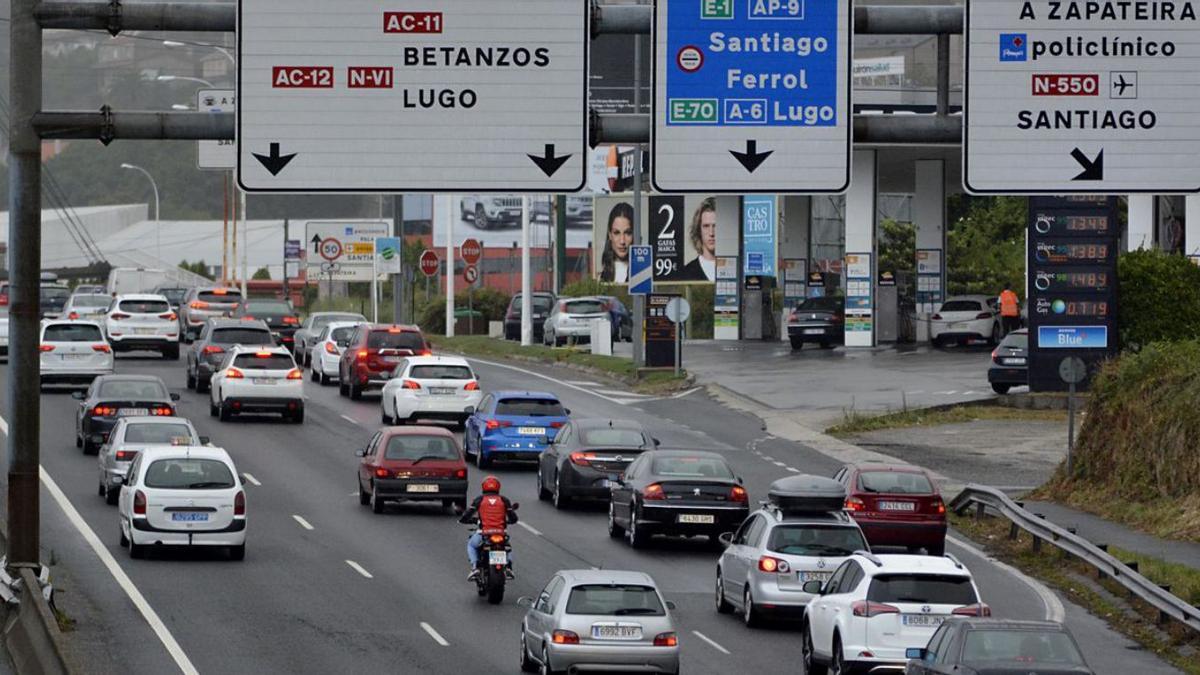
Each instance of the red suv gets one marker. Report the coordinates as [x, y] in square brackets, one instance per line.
[373, 353]
[895, 505]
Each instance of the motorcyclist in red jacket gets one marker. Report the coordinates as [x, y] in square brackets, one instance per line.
[494, 513]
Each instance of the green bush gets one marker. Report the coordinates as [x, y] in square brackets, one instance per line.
[596, 287]
[1159, 298]
[490, 303]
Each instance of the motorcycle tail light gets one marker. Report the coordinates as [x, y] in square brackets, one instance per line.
[497, 538]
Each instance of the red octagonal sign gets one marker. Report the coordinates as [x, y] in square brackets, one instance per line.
[471, 251]
[430, 263]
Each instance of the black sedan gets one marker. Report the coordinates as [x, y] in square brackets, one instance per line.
[542, 303]
[680, 492]
[112, 397]
[998, 647]
[818, 320]
[279, 316]
[1010, 362]
[217, 337]
[587, 456]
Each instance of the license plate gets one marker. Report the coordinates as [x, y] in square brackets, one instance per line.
[143, 331]
[441, 391]
[697, 518]
[814, 331]
[497, 557]
[74, 357]
[814, 576]
[260, 380]
[390, 359]
[532, 431]
[923, 620]
[421, 488]
[132, 412]
[187, 517]
[897, 506]
[1013, 362]
[617, 632]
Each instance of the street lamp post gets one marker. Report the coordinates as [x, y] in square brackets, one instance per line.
[157, 224]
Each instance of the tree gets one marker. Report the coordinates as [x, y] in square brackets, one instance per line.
[262, 274]
[897, 246]
[199, 267]
[985, 247]
[1159, 299]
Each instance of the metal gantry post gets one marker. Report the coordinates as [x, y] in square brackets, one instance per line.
[23, 411]
[398, 294]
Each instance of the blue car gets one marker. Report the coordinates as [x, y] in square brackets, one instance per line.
[513, 425]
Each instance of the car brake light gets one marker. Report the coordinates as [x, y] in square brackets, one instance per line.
[471, 386]
[162, 411]
[263, 355]
[870, 609]
[126, 455]
[73, 315]
[937, 317]
[738, 494]
[139, 503]
[426, 352]
[939, 506]
[220, 291]
[104, 349]
[104, 411]
[855, 504]
[394, 329]
[169, 316]
[582, 458]
[198, 304]
[45, 348]
[496, 424]
[117, 316]
[557, 425]
[247, 317]
[382, 473]
[978, 609]
[666, 640]
[295, 374]
[983, 315]
[3, 299]
[653, 492]
[239, 504]
[362, 355]
[330, 349]
[291, 321]
[564, 637]
[769, 564]
[234, 374]
[410, 384]
[213, 349]
[461, 473]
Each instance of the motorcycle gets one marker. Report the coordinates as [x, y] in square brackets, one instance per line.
[494, 554]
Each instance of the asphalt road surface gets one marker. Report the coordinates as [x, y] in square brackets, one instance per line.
[327, 586]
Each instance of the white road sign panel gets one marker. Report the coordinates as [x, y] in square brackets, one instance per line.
[216, 154]
[343, 250]
[413, 95]
[1082, 97]
[751, 96]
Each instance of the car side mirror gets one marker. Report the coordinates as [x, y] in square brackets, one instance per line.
[175, 397]
[567, 410]
[470, 410]
[361, 452]
[726, 539]
[78, 395]
[812, 587]
[525, 601]
[670, 605]
[205, 440]
[656, 442]
[914, 653]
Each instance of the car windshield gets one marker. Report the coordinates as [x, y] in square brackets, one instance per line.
[241, 336]
[65, 332]
[584, 307]
[614, 600]
[530, 407]
[90, 300]
[264, 361]
[541, 303]
[144, 306]
[1016, 341]
[895, 482]
[133, 390]
[961, 306]
[175, 295]
[690, 467]
[326, 319]
[816, 540]
[420, 447]
[936, 589]
[219, 295]
[267, 307]
[342, 334]
[384, 339]
[158, 433]
[189, 474]
[55, 293]
[440, 372]
[610, 436]
[820, 305]
[1020, 646]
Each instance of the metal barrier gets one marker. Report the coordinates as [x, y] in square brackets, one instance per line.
[1169, 606]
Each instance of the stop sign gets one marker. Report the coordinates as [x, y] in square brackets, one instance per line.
[430, 263]
[471, 251]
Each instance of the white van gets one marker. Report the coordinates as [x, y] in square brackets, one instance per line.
[130, 280]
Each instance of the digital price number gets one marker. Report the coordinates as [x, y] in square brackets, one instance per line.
[1048, 281]
[1071, 252]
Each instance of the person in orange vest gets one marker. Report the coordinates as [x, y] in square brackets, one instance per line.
[1010, 310]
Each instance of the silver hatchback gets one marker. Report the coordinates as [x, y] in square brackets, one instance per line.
[599, 620]
[133, 435]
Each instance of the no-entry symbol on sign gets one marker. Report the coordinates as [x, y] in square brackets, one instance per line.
[471, 251]
[430, 263]
[470, 274]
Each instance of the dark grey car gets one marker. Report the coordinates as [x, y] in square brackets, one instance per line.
[587, 456]
[998, 647]
[216, 338]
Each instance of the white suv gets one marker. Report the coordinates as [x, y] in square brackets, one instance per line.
[257, 380]
[73, 352]
[876, 607]
[430, 387]
[143, 322]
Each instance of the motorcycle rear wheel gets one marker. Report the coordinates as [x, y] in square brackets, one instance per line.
[495, 585]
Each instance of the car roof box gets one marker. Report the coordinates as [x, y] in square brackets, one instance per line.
[807, 494]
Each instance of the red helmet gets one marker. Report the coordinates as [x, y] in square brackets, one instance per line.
[491, 484]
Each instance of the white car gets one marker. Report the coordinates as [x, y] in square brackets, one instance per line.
[327, 349]
[143, 321]
[257, 380]
[130, 437]
[183, 496]
[965, 317]
[875, 607]
[430, 387]
[87, 306]
[73, 352]
[572, 318]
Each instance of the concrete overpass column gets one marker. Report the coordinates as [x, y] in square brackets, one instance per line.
[861, 224]
[1191, 225]
[929, 216]
[1140, 231]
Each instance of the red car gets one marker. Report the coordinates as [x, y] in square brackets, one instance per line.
[895, 505]
[373, 353]
[414, 464]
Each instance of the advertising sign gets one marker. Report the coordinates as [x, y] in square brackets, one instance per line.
[699, 228]
[292, 249]
[668, 237]
[387, 255]
[341, 250]
[726, 299]
[860, 323]
[758, 234]
[795, 281]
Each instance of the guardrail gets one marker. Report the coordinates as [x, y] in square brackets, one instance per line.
[1168, 605]
[28, 627]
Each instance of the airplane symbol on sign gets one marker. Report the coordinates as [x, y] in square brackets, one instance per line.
[1124, 85]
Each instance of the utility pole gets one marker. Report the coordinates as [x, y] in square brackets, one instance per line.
[226, 178]
[245, 243]
[398, 290]
[286, 293]
[25, 257]
[639, 301]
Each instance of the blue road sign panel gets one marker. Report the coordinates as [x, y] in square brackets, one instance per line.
[641, 270]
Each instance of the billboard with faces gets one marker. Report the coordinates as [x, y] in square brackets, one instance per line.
[686, 234]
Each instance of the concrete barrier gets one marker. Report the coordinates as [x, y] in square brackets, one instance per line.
[31, 634]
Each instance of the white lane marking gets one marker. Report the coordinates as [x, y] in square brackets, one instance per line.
[968, 392]
[303, 523]
[946, 393]
[792, 469]
[123, 580]
[768, 458]
[1054, 607]
[359, 568]
[251, 479]
[529, 527]
[584, 383]
[437, 637]
[710, 641]
[779, 464]
[350, 419]
[687, 393]
[551, 379]
[353, 494]
[627, 394]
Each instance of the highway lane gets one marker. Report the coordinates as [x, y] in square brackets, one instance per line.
[297, 604]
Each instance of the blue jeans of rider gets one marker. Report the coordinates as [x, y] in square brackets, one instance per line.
[473, 543]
